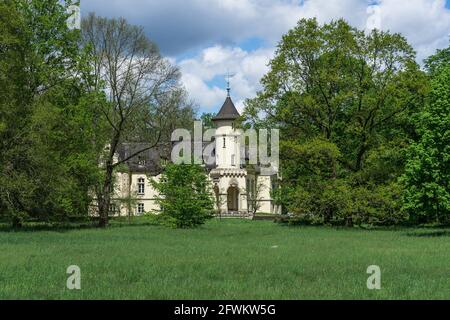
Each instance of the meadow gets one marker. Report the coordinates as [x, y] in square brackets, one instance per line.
[225, 259]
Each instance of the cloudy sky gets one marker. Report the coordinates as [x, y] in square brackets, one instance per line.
[209, 38]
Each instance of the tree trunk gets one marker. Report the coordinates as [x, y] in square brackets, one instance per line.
[349, 222]
[327, 216]
[105, 199]
[17, 223]
[359, 157]
[103, 212]
[129, 199]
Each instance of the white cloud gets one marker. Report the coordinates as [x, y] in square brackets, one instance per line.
[214, 29]
[425, 23]
[181, 25]
[247, 69]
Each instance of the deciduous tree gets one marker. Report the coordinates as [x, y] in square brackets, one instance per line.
[343, 100]
[46, 165]
[427, 176]
[145, 101]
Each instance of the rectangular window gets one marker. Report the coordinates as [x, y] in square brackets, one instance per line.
[140, 208]
[141, 186]
[224, 142]
[112, 209]
[233, 160]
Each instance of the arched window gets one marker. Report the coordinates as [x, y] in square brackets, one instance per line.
[141, 186]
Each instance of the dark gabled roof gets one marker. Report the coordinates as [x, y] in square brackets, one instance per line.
[148, 161]
[227, 112]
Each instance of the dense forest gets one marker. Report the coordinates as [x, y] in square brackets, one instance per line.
[364, 127]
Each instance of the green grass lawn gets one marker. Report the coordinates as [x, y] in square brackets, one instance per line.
[228, 259]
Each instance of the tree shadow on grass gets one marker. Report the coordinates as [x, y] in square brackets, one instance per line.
[73, 226]
[46, 227]
[429, 234]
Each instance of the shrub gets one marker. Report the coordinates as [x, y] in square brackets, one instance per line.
[336, 202]
[185, 196]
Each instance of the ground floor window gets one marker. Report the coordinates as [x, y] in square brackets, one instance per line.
[112, 209]
[140, 208]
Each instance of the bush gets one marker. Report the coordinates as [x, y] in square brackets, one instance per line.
[185, 196]
[336, 202]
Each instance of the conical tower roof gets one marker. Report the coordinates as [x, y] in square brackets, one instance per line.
[227, 112]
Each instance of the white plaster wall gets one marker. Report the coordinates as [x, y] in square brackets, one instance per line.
[148, 198]
[232, 145]
[266, 200]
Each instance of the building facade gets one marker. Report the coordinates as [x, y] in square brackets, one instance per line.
[239, 189]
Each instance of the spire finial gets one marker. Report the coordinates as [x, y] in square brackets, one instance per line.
[228, 83]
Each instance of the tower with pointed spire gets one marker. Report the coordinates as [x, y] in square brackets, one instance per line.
[236, 185]
[229, 175]
[227, 137]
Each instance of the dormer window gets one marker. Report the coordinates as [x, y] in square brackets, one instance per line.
[142, 162]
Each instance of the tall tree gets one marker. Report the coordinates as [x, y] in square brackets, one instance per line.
[145, 100]
[427, 176]
[46, 166]
[349, 94]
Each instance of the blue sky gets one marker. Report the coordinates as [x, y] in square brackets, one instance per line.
[209, 38]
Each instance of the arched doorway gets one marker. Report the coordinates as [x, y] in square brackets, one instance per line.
[233, 199]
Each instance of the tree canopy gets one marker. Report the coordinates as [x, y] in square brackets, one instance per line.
[427, 174]
[343, 100]
[46, 166]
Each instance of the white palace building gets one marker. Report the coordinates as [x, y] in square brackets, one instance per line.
[239, 189]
